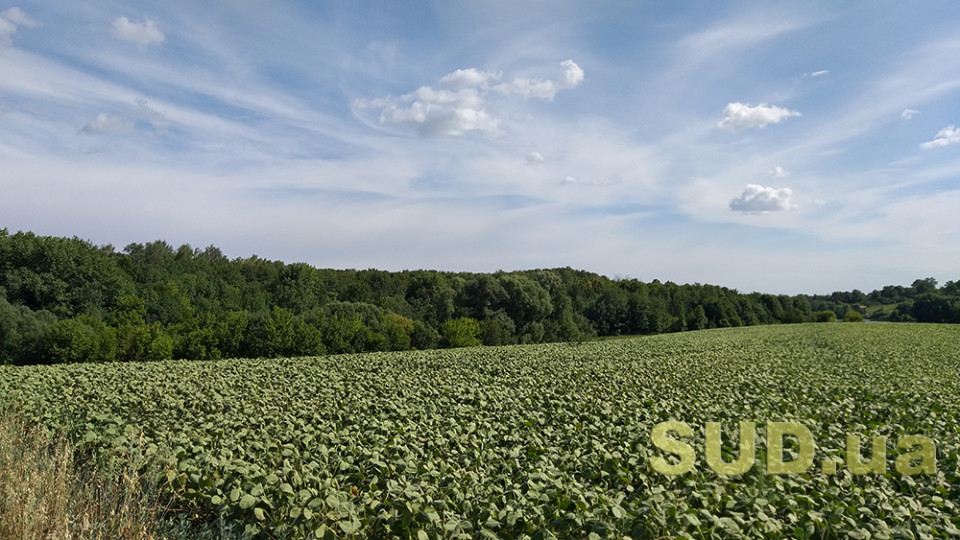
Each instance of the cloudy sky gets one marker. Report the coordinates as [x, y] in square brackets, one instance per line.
[777, 147]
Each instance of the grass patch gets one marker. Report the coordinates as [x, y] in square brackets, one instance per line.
[47, 491]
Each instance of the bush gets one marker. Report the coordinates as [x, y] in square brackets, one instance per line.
[825, 316]
[853, 316]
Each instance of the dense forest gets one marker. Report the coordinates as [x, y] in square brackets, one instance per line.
[68, 300]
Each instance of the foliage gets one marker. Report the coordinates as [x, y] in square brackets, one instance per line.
[535, 441]
[853, 316]
[462, 332]
[49, 491]
[153, 301]
[825, 316]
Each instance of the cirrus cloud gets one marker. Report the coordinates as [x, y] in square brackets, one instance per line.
[757, 199]
[737, 116]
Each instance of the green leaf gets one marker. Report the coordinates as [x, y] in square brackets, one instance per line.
[247, 501]
[349, 527]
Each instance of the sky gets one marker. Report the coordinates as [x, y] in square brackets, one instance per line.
[791, 147]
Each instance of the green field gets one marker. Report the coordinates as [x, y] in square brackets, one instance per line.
[533, 441]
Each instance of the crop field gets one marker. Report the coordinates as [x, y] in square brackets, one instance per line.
[538, 441]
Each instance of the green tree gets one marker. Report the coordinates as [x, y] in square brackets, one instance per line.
[229, 330]
[609, 312]
[527, 304]
[80, 339]
[347, 334]
[462, 332]
[922, 286]
[698, 320]
[21, 331]
[424, 336]
[137, 340]
[398, 331]
[934, 307]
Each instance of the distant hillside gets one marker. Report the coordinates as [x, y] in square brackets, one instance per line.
[68, 300]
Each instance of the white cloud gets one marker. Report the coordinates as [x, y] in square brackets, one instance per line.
[908, 114]
[10, 19]
[143, 33]
[820, 73]
[762, 199]
[439, 112]
[468, 78]
[107, 123]
[17, 16]
[546, 89]
[725, 38]
[947, 135]
[157, 119]
[737, 116]
[778, 172]
[7, 29]
[574, 181]
[535, 157]
[458, 104]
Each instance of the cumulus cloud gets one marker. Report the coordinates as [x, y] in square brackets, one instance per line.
[107, 123]
[434, 111]
[143, 33]
[10, 20]
[908, 114]
[546, 89]
[757, 199]
[457, 104]
[739, 116]
[947, 135]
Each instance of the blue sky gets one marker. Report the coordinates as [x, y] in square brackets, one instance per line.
[778, 147]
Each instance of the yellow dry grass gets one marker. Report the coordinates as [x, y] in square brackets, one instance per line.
[48, 493]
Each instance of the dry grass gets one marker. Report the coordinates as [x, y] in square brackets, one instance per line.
[47, 492]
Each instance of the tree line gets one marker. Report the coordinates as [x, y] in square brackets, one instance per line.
[68, 300]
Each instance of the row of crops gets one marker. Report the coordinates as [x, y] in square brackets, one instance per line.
[534, 441]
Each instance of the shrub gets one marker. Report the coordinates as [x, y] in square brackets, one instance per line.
[825, 316]
[853, 316]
